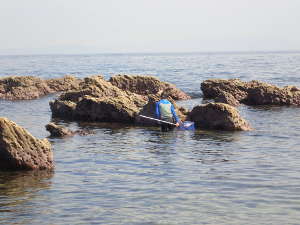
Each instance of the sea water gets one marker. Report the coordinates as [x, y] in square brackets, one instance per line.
[138, 175]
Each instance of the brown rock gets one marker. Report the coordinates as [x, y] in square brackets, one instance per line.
[216, 87]
[227, 98]
[65, 83]
[23, 88]
[19, 150]
[251, 93]
[62, 109]
[218, 116]
[109, 109]
[148, 85]
[61, 131]
[58, 131]
[99, 100]
[30, 87]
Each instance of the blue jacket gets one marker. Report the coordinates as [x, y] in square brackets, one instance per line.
[165, 101]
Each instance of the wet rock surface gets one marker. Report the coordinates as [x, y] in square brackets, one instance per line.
[19, 150]
[30, 87]
[218, 116]
[58, 131]
[250, 93]
[100, 100]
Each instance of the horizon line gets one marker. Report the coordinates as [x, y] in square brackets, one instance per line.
[154, 53]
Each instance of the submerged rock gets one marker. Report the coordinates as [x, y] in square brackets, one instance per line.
[250, 93]
[218, 116]
[60, 131]
[30, 87]
[148, 85]
[19, 150]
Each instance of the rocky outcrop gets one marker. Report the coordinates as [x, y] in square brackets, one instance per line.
[30, 87]
[218, 116]
[60, 131]
[148, 85]
[250, 93]
[100, 100]
[19, 150]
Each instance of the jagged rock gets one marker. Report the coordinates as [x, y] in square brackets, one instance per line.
[30, 87]
[19, 150]
[99, 100]
[218, 116]
[251, 93]
[146, 85]
[58, 131]
[65, 83]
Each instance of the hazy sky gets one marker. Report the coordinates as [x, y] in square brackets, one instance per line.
[100, 26]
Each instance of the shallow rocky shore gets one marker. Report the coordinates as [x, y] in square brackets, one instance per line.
[123, 98]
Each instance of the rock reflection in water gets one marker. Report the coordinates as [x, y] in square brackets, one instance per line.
[18, 188]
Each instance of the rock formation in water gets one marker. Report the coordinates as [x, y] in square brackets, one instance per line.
[249, 93]
[60, 131]
[30, 87]
[100, 100]
[218, 116]
[19, 150]
[148, 85]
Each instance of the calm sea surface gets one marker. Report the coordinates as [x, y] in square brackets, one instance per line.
[136, 175]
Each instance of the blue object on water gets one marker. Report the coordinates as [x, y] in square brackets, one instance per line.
[187, 125]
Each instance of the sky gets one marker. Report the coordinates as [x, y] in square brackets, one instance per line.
[133, 26]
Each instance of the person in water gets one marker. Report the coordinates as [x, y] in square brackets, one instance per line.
[165, 111]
